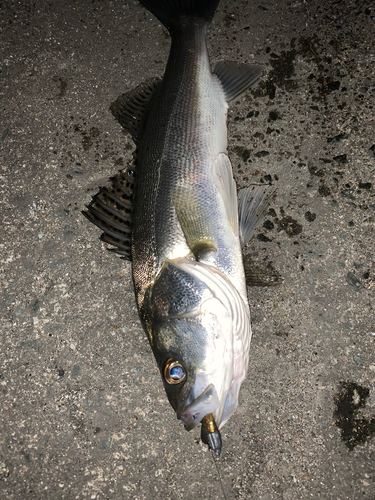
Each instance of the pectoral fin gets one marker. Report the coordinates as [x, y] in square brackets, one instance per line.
[227, 188]
[199, 215]
[236, 78]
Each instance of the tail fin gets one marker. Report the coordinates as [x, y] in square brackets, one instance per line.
[168, 11]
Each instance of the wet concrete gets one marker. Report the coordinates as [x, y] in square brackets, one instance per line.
[83, 412]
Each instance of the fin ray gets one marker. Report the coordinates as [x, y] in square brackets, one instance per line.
[253, 201]
[123, 250]
[108, 220]
[236, 77]
[124, 217]
[111, 210]
[227, 187]
[130, 108]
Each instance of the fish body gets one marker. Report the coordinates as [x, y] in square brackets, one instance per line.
[185, 224]
[178, 209]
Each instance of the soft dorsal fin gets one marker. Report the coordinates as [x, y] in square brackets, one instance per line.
[253, 201]
[111, 210]
[130, 108]
[227, 188]
[236, 77]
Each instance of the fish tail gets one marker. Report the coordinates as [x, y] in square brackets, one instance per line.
[169, 11]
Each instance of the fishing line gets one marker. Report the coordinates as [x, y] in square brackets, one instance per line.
[218, 473]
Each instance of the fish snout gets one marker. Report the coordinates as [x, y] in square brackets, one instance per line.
[192, 414]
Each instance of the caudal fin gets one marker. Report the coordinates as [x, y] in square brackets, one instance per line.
[168, 11]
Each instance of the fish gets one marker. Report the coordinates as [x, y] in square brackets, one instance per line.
[175, 213]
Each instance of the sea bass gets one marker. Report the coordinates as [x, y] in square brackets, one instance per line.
[174, 212]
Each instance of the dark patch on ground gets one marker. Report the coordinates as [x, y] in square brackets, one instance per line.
[5, 134]
[246, 154]
[242, 152]
[324, 190]
[348, 194]
[273, 116]
[355, 428]
[354, 282]
[280, 75]
[63, 85]
[337, 138]
[261, 154]
[280, 333]
[263, 237]
[341, 159]
[283, 69]
[88, 138]
[271, 212]
[314, 171]
[260, 273]
[290, 226]
[269, 225]
[255, 114]
[364, 185]
[309, 216]
[308, 47]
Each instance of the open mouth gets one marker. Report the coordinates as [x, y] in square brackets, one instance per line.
[204, 404]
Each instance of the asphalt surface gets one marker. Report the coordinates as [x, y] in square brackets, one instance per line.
[83, 414]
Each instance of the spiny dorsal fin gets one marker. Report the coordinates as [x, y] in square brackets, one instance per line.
[253, 201]
[130, 108]
[227, 188]
[236, 77]
[111, 209]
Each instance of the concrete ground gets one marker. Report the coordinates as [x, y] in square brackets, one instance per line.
[83, 414]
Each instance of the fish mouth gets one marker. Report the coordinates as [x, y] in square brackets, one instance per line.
[192, 414]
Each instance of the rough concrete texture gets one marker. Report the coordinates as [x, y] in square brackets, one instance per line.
[83, 413]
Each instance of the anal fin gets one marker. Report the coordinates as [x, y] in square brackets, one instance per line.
[111, 211]
[253, 201]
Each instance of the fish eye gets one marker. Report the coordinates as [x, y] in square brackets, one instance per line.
[174, 372]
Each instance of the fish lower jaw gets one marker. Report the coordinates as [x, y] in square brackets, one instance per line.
[204, 404]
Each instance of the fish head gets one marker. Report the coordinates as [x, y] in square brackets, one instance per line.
[200, 339]
[195, 363]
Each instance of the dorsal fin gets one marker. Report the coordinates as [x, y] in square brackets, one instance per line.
[253, 201]
[111, 211]
[130, 108]
[236, 77]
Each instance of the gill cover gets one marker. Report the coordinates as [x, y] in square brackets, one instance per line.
[200, 320]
